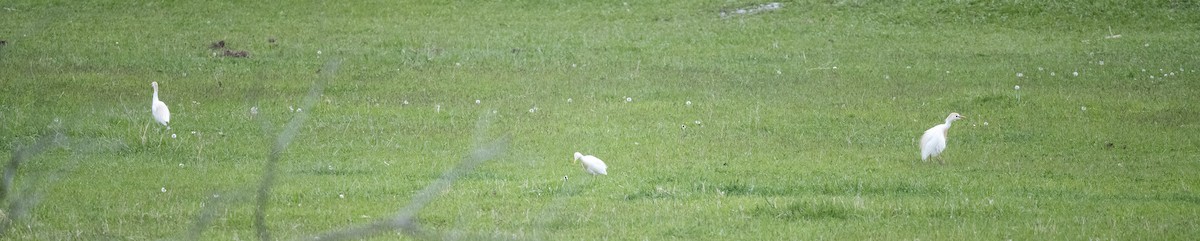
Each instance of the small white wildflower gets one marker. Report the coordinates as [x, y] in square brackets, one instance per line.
[1102, 62]
[457, 64]
[1143, 70]
[476, 102]
[1076, 73]
[180, 164]
[628, 99]
[778, 72]
[1083, 108]
[164, 189]
[1019, 74]
[985, 123]
[1040, 68]
[1051, 73]
[299, 110]
[947, 71]
[569, 100]
[574, 66]
[254, 110]
[340, 195]
[688, 103]
[908, 67]
[697, 122]
[172, 136]
[405, 102]
[437, 108]
[291, 109]
[1017, 87]
[834, 67]
[318, 52]
[1147, 45]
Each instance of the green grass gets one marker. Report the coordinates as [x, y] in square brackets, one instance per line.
[778, 143]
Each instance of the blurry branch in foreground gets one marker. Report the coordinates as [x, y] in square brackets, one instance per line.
[20, 203]
[281, 143]
[405, 220]
[212, 206]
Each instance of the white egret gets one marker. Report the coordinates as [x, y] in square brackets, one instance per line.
[933, 142]
[159, 109]
[592, 164]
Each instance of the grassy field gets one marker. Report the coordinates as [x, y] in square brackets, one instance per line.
[797, 123]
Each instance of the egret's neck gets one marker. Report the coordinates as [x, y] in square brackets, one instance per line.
[947, 120]
[155, 93]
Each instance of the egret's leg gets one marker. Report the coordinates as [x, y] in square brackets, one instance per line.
[158, 131]
[144, 129]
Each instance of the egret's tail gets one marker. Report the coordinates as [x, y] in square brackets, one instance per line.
[928, 150]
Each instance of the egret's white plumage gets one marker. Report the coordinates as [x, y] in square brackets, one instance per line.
[592, 164]
[159, 109]
[933, 142]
